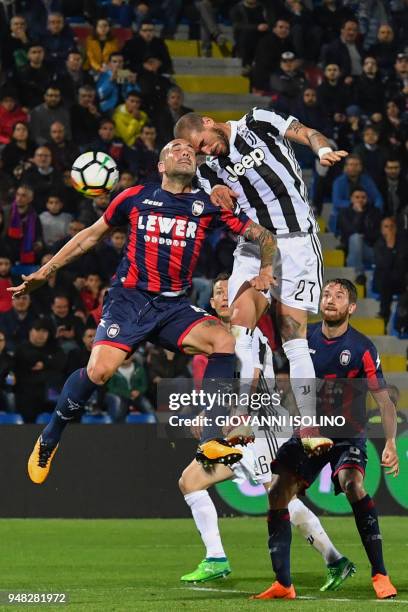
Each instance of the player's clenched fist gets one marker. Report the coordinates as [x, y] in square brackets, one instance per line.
[264, 280]
[223, 196]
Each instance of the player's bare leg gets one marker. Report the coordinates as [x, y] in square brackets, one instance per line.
[210, 338]
[365, 514]
[194, 482]
[292, 325]
[78, 388]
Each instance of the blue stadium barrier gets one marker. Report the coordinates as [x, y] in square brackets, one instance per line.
[96, 419]
[140, 418]
[11, 418]
[43, 418]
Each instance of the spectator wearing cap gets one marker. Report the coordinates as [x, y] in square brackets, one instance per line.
[72, 77]
[384, 49]
[369, 88]
[333, 94]
[45, 114]
[100, 46]
[24, 233]
[15, 44]
[345, 51]
[396, 87]
[33, 79]
[58, 41]
[129, 118]
[85, 116]
[248, 26]
[393, 187]
[64, 152]
[168, 116]
[115, 83]
[154, 86]
[372, 154]
[42, 177]
[10, 113]
[16, 322]
[145, 44]
[38, 366]
[16, 155]
[268, 54]
[287, 82]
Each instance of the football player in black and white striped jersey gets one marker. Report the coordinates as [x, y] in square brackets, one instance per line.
[251, 162]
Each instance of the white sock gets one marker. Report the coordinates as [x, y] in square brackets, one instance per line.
[311, 528]
[243, 351]
[302, 375]
[206, 520]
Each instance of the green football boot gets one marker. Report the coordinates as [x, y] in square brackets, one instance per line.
[337, 573]
[208, 569]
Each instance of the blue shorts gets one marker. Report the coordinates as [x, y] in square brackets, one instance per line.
[345, 453]
[131, 316]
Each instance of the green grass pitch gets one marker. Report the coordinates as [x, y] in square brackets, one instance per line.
[107, 565]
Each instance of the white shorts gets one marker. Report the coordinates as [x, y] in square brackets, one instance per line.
[298, 267]
[255, 464]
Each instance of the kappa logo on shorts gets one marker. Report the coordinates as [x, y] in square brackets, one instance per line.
[113, 330]
[197, 208]
[345, 357]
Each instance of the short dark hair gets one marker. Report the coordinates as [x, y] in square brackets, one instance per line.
[357, 188]
[104, 121]
[222, 276]
[345, 284]
[188, 122]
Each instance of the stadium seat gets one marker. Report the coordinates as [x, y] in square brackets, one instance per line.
[96, 419]
[140, 418]
[43, 418]
[333, 258]
[11, 418]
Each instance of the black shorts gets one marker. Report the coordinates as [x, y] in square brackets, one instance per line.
[345, 453]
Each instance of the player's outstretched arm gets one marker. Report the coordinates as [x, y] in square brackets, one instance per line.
[389, 423]
[267, 244]
[77, 246]
[297, 132]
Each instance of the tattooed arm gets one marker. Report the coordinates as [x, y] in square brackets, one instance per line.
[297, 132]
[267, 244]
[77, 246]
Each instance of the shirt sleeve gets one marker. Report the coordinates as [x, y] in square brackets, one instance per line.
[234, 223]
[279, 122]
[372, 368]
[117, 212]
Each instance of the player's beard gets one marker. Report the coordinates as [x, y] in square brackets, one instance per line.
[224, 140]
[337, 322]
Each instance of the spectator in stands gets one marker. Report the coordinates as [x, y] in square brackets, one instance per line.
[369, 88]
[24, 233]
[268, 54]
[162, 363]
[89, 294]
[146, 44]
[352, 177]
[384, 49]
[347, 130]
[126, 180]
[209, 27]
[15, 323]
[287, 82]
[248, 26]
[393, 188]
[370, 14]
[79, 357]
[72, 77]
[119, 12]
[43, 297]
[111, 252]
[6, 298]
[89, 213]
[129, 118]
[333, 94]
[359, 228]
[72, 276]
[10, 113]
[107, 142]
[58, 41]
[168, 116]
[305, 33]
[100, 46]
[390, 265]
[372, 154]
[33, 79]
[6, 368]
[154, 86]
[309, 111]
[54, 220]
[42, 177]
[63, 152]
[115, 83]
[45, 114]
[330, 16]
[67, 328]
[15, 45]
[394, 127]
[143, 157]
[36, 13]
[85, 116]
[345, 51]
[126, 389]
[396, 87]
[20, 149]
[38, 367]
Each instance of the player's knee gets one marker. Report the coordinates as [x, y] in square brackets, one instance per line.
[223, 342]
[99, 372]
[353, 488]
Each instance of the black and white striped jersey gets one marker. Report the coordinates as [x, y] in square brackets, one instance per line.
[261, 167]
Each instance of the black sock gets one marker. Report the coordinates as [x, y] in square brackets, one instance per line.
[77, 390]
[217, 375]
[366, 517]
[280, 538]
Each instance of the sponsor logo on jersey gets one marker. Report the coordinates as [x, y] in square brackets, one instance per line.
[345, 357]
[152, 202]
[197, 208]
[255, 158]
[113, 330]
[178, 228]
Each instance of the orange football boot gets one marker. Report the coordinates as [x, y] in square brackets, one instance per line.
[277, 591]
[383, 587]
[39, 462]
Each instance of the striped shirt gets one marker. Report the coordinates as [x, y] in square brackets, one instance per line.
[261, 167]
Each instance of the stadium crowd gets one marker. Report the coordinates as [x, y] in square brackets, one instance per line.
[339, 67]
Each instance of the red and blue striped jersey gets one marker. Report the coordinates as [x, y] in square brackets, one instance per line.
[166, 232]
